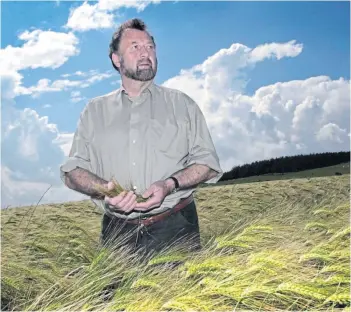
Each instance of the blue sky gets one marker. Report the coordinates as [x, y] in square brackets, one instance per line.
[187, 34]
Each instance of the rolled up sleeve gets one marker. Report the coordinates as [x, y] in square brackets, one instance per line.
[202, 149]
[79, 152]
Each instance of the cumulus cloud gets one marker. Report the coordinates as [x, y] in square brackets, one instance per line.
[27, 146]
[100, 15]
[276, 50]
[46, 85]
[16, 193]
[32, 151]
[285, 118]
[45, 49]
[332, 133]
[42, 49]
[64, 140]
[224, 74]
[10, 82]
[87, 17]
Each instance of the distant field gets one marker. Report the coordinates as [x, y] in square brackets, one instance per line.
[267, 246]
[318, 172]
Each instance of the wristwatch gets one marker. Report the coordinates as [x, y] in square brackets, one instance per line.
[176, 183]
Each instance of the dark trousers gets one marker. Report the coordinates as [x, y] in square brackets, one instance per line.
[180, 229]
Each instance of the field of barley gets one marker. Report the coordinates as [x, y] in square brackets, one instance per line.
[267, 246]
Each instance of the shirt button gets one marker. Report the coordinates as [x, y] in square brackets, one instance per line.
[134, 141]
[133, 163]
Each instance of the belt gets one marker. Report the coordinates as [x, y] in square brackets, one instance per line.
[152, 219]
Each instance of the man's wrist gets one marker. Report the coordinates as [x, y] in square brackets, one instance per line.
[170, 185]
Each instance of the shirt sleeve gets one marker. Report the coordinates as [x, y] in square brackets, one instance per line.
[202, 150]
[79, 153]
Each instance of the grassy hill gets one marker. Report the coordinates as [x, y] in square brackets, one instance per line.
[343, 168]
[272, 246]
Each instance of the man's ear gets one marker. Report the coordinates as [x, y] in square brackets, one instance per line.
[116, 60]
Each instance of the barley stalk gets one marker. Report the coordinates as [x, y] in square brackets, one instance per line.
[118, 190]
[343, 298]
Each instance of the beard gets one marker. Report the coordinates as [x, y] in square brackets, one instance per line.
[140, 74]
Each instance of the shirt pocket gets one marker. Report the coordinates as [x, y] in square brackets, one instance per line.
[170, 138]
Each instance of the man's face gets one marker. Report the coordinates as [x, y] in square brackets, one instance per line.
[136, 58]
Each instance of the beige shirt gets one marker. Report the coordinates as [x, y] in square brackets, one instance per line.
[142, 140]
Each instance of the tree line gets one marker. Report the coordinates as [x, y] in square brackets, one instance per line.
[287, 164]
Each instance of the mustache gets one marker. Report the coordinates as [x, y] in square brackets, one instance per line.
[145, 62]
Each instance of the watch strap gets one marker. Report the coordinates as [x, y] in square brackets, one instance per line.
[176, 183]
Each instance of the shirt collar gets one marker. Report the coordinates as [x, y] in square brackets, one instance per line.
[149, 87]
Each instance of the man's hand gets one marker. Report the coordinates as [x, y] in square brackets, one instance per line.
[158, 191]
[124, 202]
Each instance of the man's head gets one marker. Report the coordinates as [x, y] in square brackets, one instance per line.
[133, 51]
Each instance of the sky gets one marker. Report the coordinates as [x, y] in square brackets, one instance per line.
[272, 78]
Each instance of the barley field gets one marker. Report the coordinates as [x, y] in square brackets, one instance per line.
[267, 246]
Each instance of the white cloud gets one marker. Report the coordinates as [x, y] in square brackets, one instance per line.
[75, 93]
[10, 82]
[27, 145]
[45, 85]
[45, 49]
[77, 99]
[16, 193]
[285, 118]
[277, 50]
[100, 15]
[32, 151]
[112, 5]
[64, 140]
[87, 17]
[331, 132]
[99, 77]
[223, 74]
[81, 74]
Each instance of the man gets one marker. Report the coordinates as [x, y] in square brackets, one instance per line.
[147, 136]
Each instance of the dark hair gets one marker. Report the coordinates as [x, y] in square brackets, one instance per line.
[134, 23]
